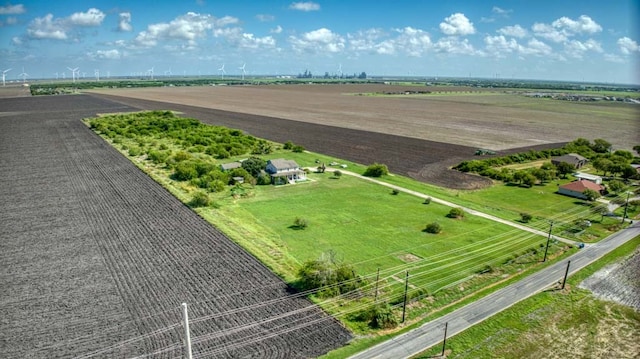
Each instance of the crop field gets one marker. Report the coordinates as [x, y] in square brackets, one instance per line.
[96, 257]
[497, 120]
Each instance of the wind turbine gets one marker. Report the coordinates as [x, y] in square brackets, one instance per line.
[4, 73]
[96, 73]
[24, 76]
[222, 71]
[243, 71]
[168, 73]
[57, 75]
[73, 73]
[150, 72]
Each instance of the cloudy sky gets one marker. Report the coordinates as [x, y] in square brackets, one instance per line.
[594, 41]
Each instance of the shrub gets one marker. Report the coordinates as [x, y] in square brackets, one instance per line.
[181, 156]
[380, 317]
[434, 228]
[456, 213]
[135, 151]
[297, 149]
[200, 199]
[288, 145]
[526, 217]
[185, 171]
[376, 170]
[158, 156]
[300, 223]
[427, 200]
[395, 192]
[337, 174]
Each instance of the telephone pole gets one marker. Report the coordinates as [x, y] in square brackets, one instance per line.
[404, 305]
[548, 239]
[187, 335]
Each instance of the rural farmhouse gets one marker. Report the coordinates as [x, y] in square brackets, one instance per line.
[576, 188]
[284, 171]
[573, 159]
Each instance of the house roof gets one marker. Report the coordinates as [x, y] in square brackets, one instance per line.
[282, 164]
[586, 176]
[230, 165]
[569, 158]
[581, 186]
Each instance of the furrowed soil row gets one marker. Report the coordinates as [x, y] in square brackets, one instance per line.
[153, 253]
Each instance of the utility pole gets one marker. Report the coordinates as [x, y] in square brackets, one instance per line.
[444, 342]
[566, 273]
[626, 205]
[187, 335]
[406, 286]
[547, 247]
[376, 294]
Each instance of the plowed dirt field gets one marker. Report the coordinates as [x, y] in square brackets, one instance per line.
[97, 257]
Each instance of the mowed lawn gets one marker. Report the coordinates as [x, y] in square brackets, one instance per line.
[363, 223]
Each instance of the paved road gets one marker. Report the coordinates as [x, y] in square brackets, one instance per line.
[430, 334]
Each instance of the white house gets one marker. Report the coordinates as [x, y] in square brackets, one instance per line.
[576, 188]
[589, 177]
[285, 171]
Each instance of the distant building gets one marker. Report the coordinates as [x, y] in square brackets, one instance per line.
[284, 171]
[576, 188]
[230, 166]
[588, 177]
[573, 159]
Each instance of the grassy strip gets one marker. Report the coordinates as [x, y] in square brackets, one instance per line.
[520, 331]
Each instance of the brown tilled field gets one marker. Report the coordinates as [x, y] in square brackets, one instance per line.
[97, 257]
[457, 115]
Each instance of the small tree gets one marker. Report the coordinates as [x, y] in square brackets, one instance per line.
[337, 174]
[427, 200]
[376, 170]
[200, 199]
[564, 168]
[395, 192]
[300, 223]
[591, 194]
[616, 186]
[434, 228]
[288, 145]
[298, 149]
[526, 217]
[456, 213]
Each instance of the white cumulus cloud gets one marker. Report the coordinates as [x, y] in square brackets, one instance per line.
[304, 6]
[124, 22]
[188, 27]
[627, 45]
[457, 24]
[93, 17]
[12, 9]
[321, 40]
[563, 28]
[499, 45]
[513, 31]
[47, 27]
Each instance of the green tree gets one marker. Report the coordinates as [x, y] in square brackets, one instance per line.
[529, 180]
[456, 213]
[637, 149]
[602, 164]
[298, 149]
[200, 199]
[288, 145]
[564, 168]
[254, 165]
[434, 228]
[185, 171]
[337, 173]
[526, 217]
[300, 223]
[591, 194]
[616, 186]
[600, 146]
[329, 275]
[376, 170]
[602, 210]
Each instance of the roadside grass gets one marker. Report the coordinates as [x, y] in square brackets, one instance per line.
[553, 324]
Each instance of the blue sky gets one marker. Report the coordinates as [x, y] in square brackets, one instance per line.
[594, 41]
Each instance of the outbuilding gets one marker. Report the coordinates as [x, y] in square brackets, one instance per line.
[576, 188]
